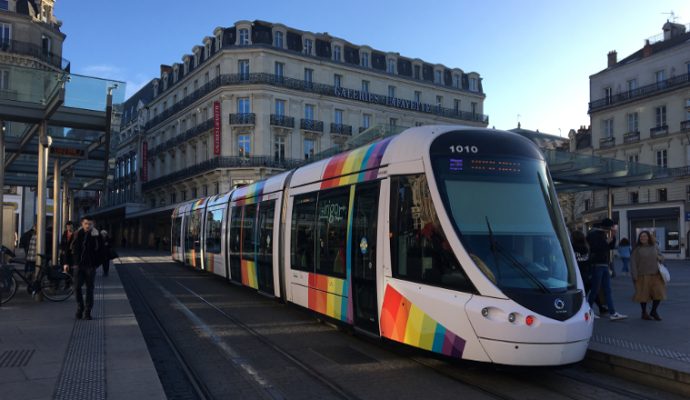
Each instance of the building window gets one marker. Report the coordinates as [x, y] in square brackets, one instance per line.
[364, 60]
[456, 81]
[207, 78]
[336, 53]
[474, 84]
[366, 121]
[308, 75]
[244, 37]
[308, 44]
[662, 194]
[217, 187]
[195, 193]
[280, 107]
[660, 113]
[416, 71]
[660, 77]
[4, 5]
[439, 101]
[607, 127]
[338, 116]
[634, 197]
[279, 69]
[608, 95]
[47, 44]
[4, 79]
[243, 105]
[474, 108]
[365, 86]
[309, 112]
[687, 109]
[5, 34]
[173, 198]
[587, 204]
[279, 148]
[633, 120]
[278, 39]
[309, 148]
[632, 86]
[456, 106]
[337, 80]
[662, 158]
[391, 91]
[390, 68]
[242, 68]
[244, 145]
[393, 123]
[633, 158]
[438, 77]
[417, 96]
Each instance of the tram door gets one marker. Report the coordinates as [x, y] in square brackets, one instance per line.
[364, 224]
[265, 246]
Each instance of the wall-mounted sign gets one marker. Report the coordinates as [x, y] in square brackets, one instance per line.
[67, 152]
[216, 127]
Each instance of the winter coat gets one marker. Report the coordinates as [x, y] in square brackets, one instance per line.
[87, 248]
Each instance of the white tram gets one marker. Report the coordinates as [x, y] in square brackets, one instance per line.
[449, 239]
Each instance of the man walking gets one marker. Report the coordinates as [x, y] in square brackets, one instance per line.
[601, 240]
[86, 251]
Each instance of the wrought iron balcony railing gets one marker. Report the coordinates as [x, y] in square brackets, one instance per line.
[607, 142]
[243, 119]
[182, 137]
[35, 51]
[311, 125]
[282, 120]
[658, 131]
[643, 91]
[341, 129]
[631, 137]
[685, 126]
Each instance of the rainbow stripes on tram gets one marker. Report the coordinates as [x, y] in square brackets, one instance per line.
[404, 322]
[250, 194]
[249, 277]
[329, 296]
[355, 166]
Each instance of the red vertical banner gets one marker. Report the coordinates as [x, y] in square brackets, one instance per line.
[216, 128]
[144, 161]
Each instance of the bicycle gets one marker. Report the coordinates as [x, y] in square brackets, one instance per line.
[51, 281]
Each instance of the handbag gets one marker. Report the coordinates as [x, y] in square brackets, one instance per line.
[665, 274]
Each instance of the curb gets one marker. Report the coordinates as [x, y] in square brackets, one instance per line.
[646, 373]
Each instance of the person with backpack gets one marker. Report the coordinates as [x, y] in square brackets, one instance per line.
[86, 249]
[579, 243]
[601, 240]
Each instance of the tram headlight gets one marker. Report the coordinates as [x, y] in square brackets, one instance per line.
[485, 312]
[512, 317]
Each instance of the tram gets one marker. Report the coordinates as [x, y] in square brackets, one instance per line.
[449, 239]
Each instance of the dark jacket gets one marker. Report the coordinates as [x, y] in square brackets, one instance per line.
[25, 239]
[599, 247]
[87, 248]
[65, 251]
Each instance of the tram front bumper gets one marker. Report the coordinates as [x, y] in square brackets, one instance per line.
[534, 354]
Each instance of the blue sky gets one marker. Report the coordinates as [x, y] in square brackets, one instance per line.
[535, 57]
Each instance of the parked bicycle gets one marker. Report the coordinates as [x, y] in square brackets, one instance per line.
[51, 281]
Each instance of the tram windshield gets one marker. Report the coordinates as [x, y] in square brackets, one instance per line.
[506, 214]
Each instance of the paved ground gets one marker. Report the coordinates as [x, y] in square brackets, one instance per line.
[45, 353]
[237, 343]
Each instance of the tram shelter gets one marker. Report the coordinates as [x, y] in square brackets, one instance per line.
[55, 128]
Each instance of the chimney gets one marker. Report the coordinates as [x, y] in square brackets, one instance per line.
[647, 49]
[613, 58]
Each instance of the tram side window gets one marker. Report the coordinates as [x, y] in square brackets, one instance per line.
[176, 230]
[193, 231]
[303, 233]
[248, 232]
[235, 227]
[332, 232]
[213, 227]
[266, 240]
[419, 248]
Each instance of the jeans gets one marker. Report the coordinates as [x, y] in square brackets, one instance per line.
[84, 275]
[625, 261]
[601, 279]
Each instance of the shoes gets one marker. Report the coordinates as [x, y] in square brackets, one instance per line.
[646, 316]
[616, 316]
[87, 315]
[655, 316]
[79, 314]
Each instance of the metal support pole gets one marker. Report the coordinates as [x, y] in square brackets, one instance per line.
[65, 201]
[70, 205]
[57, 214]
[43, 145]
[2, 186]
[609, 203]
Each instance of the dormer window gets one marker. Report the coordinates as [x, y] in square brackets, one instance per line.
[218, 42]
[336, 53]
[474, 87]
[278, 39]
[456, 80]
[390, 67]
[175, 74]
[308, 44]
[186, 66]
[364, 60]
[244, 37]
[155, 89]
[437, 77]
[417, 72]
[196, 58]
[208, 51]
[165, 81]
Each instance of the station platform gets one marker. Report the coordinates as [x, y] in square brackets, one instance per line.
[656, 353]
[45, 353]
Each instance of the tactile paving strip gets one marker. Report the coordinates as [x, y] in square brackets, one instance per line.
[83, 372]
[643, 348]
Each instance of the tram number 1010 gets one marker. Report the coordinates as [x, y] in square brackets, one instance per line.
[459, 149]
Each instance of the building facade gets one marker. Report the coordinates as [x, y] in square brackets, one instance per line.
[257, 98]
[30, 38]
[640, 113]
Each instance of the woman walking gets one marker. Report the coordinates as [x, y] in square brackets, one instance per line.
[649, 285]
[624, 251]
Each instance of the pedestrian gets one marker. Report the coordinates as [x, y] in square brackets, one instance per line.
[579, 243]
[86, 252]
[30, 262]
[649, 285]
[65, 243]
[601, 240]
[624, 251]
[26, 238]
[108, 251]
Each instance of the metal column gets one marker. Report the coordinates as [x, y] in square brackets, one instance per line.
[57, 210]
[65, 201]
[609, 203]
[2, 185]
[43, 146]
